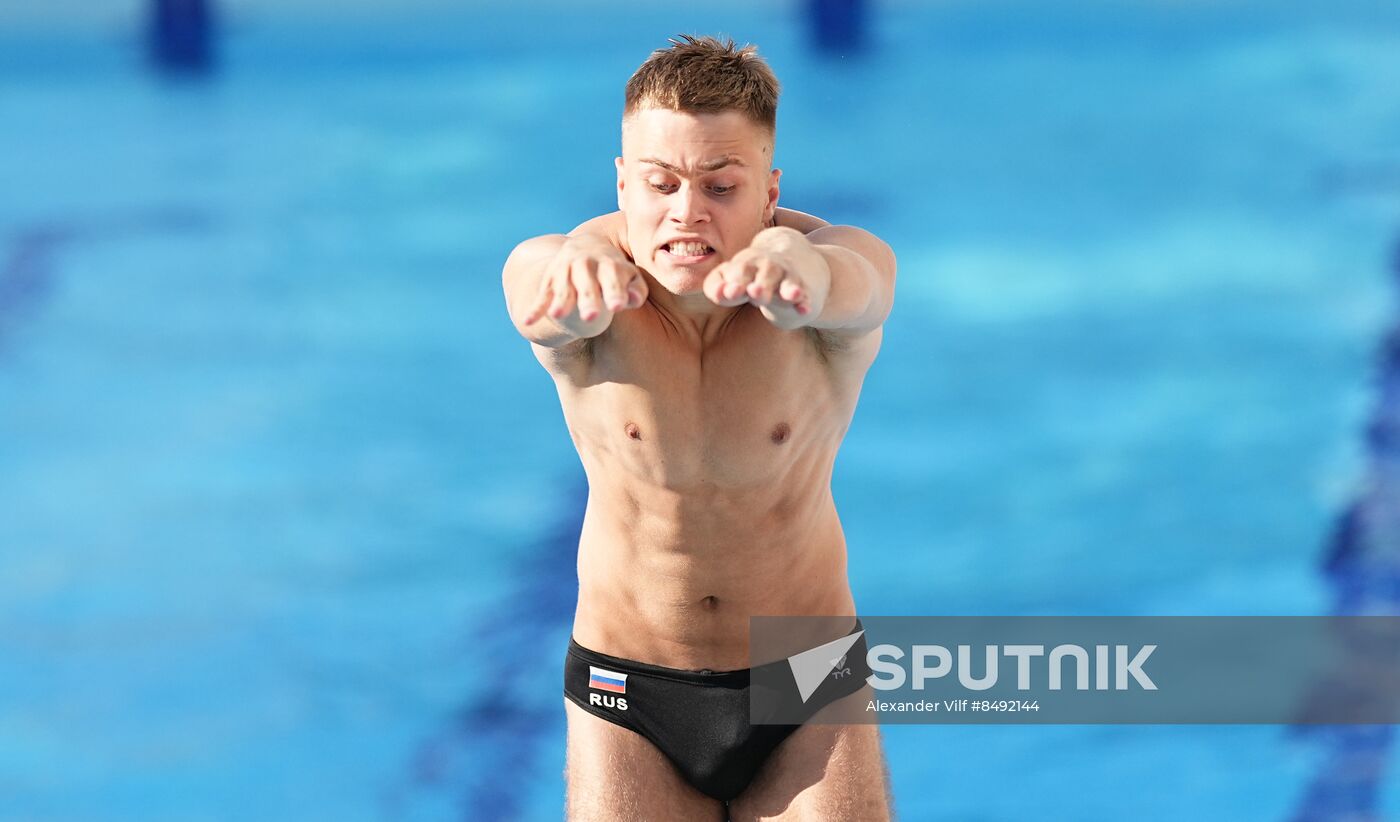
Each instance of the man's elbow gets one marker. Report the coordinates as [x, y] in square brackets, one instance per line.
[876, 260]
[885, 267]
[869, 254]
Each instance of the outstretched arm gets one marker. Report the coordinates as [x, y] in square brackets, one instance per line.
[560, 289]
[836, 278]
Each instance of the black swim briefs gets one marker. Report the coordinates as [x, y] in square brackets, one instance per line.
[698, 719]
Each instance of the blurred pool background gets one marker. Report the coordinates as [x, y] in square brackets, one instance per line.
[287, 508]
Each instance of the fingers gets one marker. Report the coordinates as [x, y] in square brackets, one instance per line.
[756, 278]
[623, 285]
[715, 285]
[613, 284]
[727, 284]
[583, 274]
[550, 298]
[590, 285]
[737, 276]
[562, 299]
[541, 302]
[791, 291]
[545, 296]
[765, 283]
[637, 290]
[772, 285]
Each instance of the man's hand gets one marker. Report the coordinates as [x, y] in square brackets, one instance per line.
[586, 282]
[780, 272]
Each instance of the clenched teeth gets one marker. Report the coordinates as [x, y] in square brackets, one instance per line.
[688, 249]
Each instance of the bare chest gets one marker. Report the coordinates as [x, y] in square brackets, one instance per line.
[734, 413]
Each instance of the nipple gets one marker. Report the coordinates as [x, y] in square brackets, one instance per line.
[780, 433]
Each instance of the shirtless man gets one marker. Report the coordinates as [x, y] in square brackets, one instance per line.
[708, 348]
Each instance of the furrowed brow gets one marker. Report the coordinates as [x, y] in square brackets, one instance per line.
[708, 165]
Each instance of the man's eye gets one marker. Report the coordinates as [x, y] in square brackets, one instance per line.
[667, 188]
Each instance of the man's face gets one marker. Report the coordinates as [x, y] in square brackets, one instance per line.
[699, 177]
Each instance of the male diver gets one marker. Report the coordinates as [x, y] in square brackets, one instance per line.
[708, 348]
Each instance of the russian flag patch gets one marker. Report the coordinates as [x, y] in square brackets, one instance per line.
[605, 680]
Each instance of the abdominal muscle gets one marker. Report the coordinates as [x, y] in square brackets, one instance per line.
[709, 469]
[671, 577]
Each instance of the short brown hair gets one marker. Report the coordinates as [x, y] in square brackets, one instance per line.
[701, 75]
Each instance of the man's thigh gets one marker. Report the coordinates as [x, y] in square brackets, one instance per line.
[821, 772]
[614, 774]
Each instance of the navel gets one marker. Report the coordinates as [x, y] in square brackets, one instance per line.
[709, 603]
[633, 432]
[780, 434]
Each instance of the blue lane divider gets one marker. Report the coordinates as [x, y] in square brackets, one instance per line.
[28, 257]
[496, 743]
[1362, 567]
[26, 274]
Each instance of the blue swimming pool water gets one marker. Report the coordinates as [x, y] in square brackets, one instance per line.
[287, 510]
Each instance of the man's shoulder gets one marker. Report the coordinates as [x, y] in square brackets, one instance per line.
[612, 226]
[800, 220]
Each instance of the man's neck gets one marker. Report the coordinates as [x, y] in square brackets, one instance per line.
[693, 311]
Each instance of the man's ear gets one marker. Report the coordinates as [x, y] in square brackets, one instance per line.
[771, 207]
[621, 181]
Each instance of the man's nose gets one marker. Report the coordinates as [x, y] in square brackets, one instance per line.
[688, 205]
